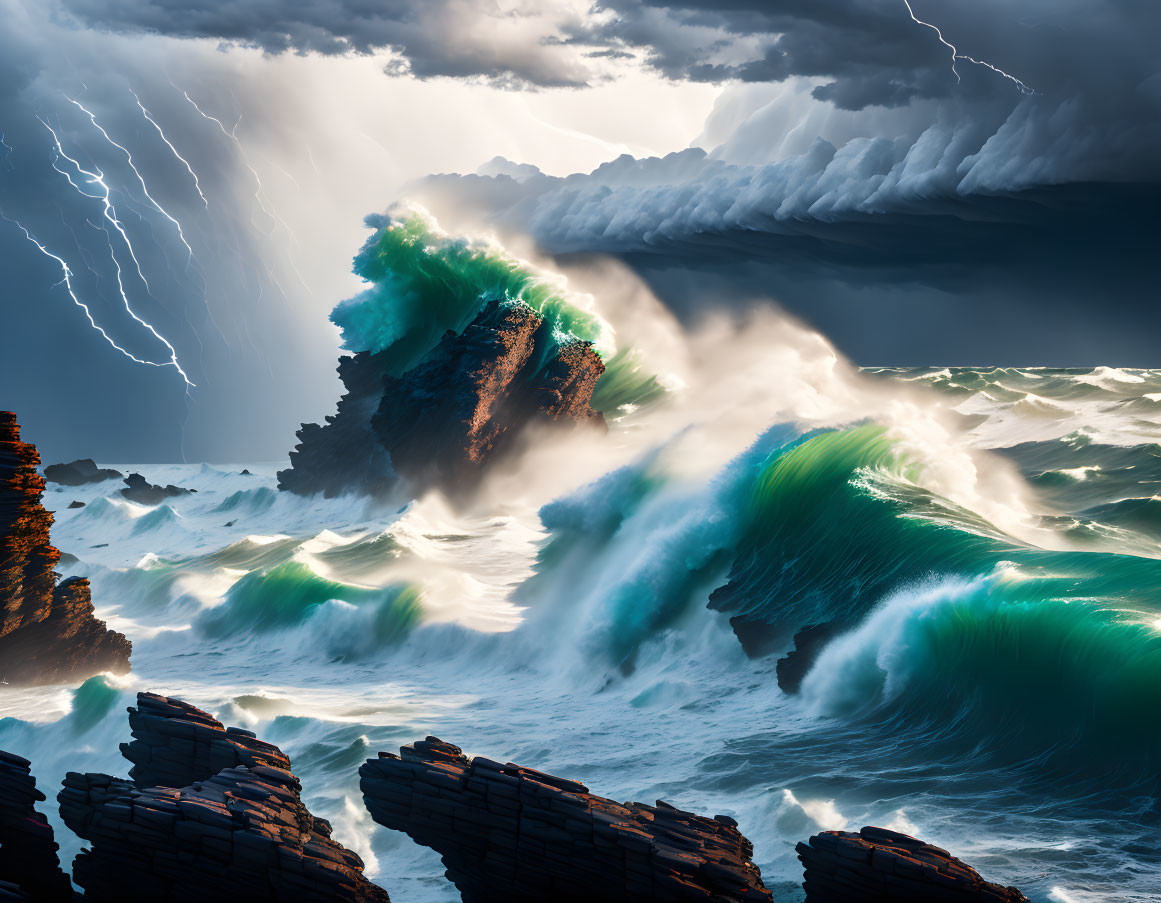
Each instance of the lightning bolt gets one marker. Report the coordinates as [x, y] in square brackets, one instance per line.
[169, 144]
[8, 152]
[956, 55]
[66, 281]
[110, 214]
[136, 172]
[232, 134]
[95, 178]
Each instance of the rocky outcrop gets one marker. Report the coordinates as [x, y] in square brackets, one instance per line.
[225, 820]
[175, 744]
[881, 866]
[48, 632]
[140, 490]
[514, 835]
[793, 667]
[243, 834]
[78, 473]
[443, 422]
[28, 853]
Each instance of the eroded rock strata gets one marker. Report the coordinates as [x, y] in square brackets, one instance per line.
[175, 744]
[514, 835]
[80, 472]
[444, 421]
[236, 833]
[881, 866]
[29, 867]
[48, 632]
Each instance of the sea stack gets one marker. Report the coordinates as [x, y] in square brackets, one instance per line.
[48, 631]
[447, 419]
[514, 835]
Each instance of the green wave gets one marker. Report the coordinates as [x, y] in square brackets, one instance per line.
[289, 595]
[424, 284]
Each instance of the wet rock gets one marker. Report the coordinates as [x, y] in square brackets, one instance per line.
[78, 473]
[243, 834]
[175, 744]
[48, 632]
[808, 643]
[76, 504]
[140, 490]
[442, 423]
[881, 866]
[514, 835]
[29, 867]
[211, 813]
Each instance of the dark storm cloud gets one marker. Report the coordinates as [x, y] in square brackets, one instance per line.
[449, 38]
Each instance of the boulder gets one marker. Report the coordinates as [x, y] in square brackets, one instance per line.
[78, 473]
[881, 866]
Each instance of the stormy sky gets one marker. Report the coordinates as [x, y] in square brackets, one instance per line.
[982, 193]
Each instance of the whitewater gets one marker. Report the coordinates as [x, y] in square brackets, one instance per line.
[984, 544]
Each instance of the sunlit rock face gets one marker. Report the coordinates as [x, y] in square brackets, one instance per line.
[446, 420]
[48, 631]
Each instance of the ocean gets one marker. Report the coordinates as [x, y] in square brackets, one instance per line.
[985, 544]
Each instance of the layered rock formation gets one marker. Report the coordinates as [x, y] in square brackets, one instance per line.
[514, 835]
[230, 826]
[445, 420]
[29, 868]
[48, 632]
[881, 866]
[140, 490]
[80, 472]
[175, 743]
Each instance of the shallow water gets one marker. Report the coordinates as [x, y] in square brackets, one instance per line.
[995, 688]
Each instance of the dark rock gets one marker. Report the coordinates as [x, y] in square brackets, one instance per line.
[75, 504]
[459, 410]
[808, 643]
[224, 821]
[29, 867]
[245, 472]
[243, 834]
[175, 744]
[140, 490]
[881, 866]
[48, 632]
[78, 473]
[513, 835]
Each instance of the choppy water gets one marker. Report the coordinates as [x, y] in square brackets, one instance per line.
[992, 537]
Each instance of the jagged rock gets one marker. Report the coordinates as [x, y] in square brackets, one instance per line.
[140, 490]
[514, 835]
[344, 455]
[881, 866]
[243, 834]
[808, 643]
[29, 868]
[76, 504]
[206, 831]
[47, 632]
[78, 473]
[444, 421]
[175, 744]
